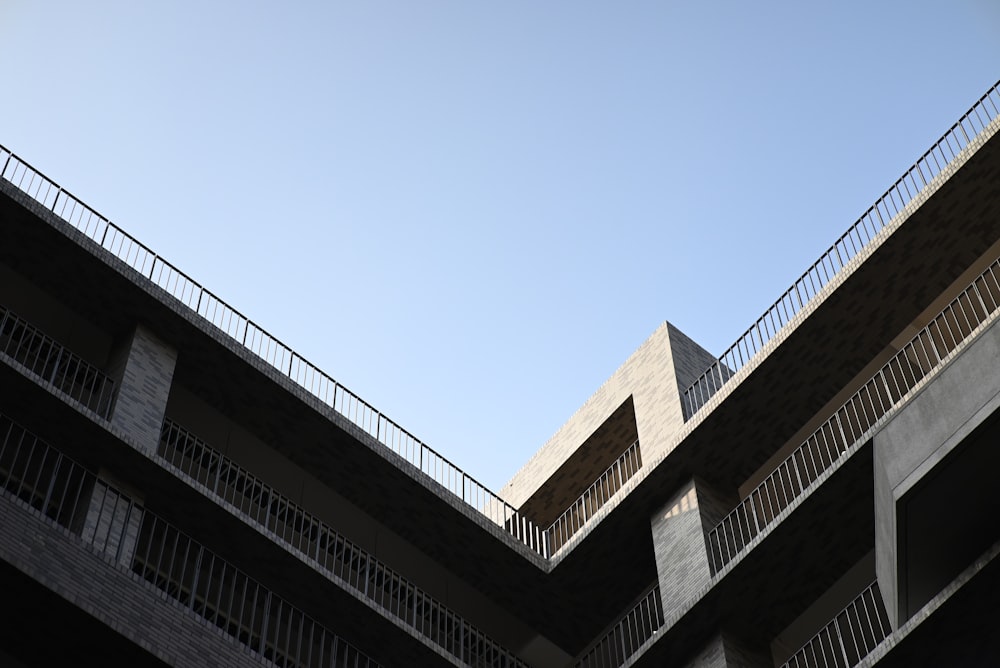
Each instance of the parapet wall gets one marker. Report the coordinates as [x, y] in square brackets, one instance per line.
[654, 376]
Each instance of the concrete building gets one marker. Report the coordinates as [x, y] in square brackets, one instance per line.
[178, 487]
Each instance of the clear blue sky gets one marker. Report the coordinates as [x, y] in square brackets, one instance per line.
[471, 213]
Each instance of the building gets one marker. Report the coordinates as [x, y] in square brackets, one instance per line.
[178, 487]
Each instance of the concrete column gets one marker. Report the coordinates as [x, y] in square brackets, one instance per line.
[910, 452]
[112, 523]
[725, 651]
[679, 540]
[653, 378]
[143, 368]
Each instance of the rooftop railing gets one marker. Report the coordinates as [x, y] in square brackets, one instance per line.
[330, 552]
[70, 496]
[843, 250]
[850, 424]
[254, 338]
[849, 637]
[240, 329]
[55, 364]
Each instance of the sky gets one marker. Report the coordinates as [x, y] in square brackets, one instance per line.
[472, 213]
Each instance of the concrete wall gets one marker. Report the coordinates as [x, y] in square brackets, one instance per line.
[655, 375]
[919, 437]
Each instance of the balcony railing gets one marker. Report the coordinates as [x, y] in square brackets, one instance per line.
[330, 552]
[69, 495]
[254, 338]
[924, 354]
[633, 630]
[594, 498]
[849, 637]
[55, 364]
[844, 249]
[842, 643]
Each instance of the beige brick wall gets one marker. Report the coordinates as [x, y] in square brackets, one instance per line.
[654, 375]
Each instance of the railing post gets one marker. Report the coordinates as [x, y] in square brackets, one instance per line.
[840, 639]
[843, 435]
[621, 638]
[52, 482]
[798, 478]
[982, 302]
[194, 579]
[55, 366]
[104, 236]
[368, 559]
[264, 621]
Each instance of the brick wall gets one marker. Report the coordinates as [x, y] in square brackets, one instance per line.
[652, 376]
[143, 368]
[90, 580]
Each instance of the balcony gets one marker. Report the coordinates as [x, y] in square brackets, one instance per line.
[853, 423]
[849, 637]
[135, 540]
[329, 552]
[53, 363]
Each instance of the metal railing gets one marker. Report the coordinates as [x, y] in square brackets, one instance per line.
[849, 637]
[921, 356]
[633, 630]
[65, 370]
[69, 495]
[594, 497]
[844, 249]
[330, 552]
[251, 336]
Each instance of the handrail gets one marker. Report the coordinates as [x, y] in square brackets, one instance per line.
[257, 340]
[324, 547]
[594, 498]
[55, 364]
[626, 637]
[844, 250]
[69, 495]
[849, 637]
[46, 192]
[923, 355]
